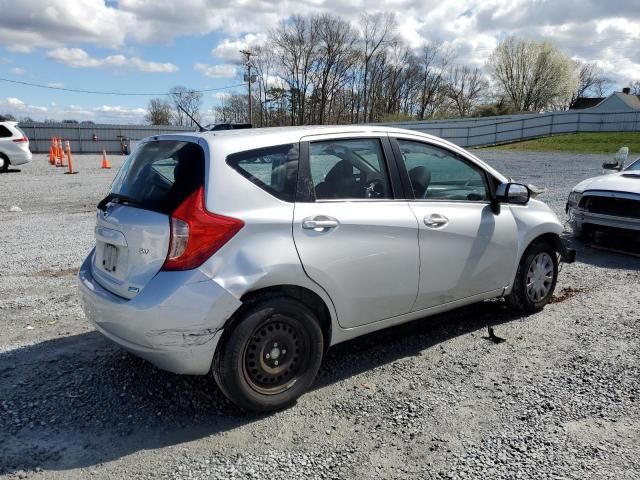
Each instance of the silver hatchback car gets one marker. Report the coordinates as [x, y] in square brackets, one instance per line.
[248, 253]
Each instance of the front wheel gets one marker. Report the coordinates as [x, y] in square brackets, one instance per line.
[535, 279]
[271, 356]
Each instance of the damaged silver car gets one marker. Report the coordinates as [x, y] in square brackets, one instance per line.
[247, 253]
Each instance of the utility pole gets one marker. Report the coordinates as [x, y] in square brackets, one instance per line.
[248, 78]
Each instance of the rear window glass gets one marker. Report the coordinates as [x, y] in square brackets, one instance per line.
[274, 169]
[160, 175]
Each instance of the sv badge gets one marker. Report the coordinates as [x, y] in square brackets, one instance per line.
[143, 251]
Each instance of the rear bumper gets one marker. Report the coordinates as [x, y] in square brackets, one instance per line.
[175, 322]
[579, 217]
[20, 157]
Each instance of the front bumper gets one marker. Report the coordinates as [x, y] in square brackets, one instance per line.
[579, 217]
[175, 322]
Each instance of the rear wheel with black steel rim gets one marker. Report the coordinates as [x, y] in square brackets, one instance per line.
[271, 355]
[535, 280]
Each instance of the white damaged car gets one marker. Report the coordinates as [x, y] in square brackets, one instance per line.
[606, 202]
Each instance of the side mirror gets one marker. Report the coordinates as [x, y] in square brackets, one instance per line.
[515, 193]
[612, 166]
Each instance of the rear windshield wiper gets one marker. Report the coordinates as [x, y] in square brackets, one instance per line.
[117, 198]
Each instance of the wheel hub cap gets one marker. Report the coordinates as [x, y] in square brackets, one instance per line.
[274, 354]
[540, 277]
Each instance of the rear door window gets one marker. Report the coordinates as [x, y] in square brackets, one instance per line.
[5, 132]
[349, 169]
[274, 169]
[160, 175]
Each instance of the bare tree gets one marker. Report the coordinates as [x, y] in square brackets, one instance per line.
[635, 87]
[378, 32]
[296, 43]
[232, 108]
[189, 100]
[534, 76]
[336, 41]
[591, 81]
[158, 112]
[433, 61]
[465, 87]
[264, 63]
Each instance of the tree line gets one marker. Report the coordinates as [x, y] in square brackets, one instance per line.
[322, 69]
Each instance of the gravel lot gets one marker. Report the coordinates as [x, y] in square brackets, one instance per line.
[431, 399]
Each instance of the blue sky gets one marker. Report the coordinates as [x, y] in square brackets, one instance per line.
[183, 53]
[153, 45]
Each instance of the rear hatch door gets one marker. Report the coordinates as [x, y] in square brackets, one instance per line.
[133, 222]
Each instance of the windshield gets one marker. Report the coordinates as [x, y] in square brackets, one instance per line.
[635, 166]
[159, 175]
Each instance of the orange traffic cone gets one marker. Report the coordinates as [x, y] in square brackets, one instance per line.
[63, 162]
[58, 152]
[105, 161]
[51, 154]
[69, 160]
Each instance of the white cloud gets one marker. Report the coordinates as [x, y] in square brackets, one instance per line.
[78, 58]
[32, 23]
[217, 71]
[99, 114]
[56, 85]
[14, 102]
[18, 71]
[19, 108]
[229, 49]
[593, 30]
[220, 95]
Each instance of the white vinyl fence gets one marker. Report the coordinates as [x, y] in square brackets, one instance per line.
[478, 132]
[469, 132]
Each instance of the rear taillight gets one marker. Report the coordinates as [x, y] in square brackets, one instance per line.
[22, 139]
[196, 234]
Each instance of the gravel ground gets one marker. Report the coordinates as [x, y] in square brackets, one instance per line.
[431, 399]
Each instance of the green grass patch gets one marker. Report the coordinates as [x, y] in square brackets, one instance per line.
[601, 142]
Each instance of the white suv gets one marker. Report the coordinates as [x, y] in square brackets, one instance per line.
[14, 146]
[247, 253]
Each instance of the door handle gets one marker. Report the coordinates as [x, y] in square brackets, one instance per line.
[319, 223]
[435, 220]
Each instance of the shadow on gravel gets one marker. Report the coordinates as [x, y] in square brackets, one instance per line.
[12, 170]
[80, 401]
[608, 252]
[410, 339]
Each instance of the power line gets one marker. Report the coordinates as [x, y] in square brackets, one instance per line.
[96, 92]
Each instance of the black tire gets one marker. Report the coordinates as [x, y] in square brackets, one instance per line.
[5, 166]
[271, 355]
[521, 299]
